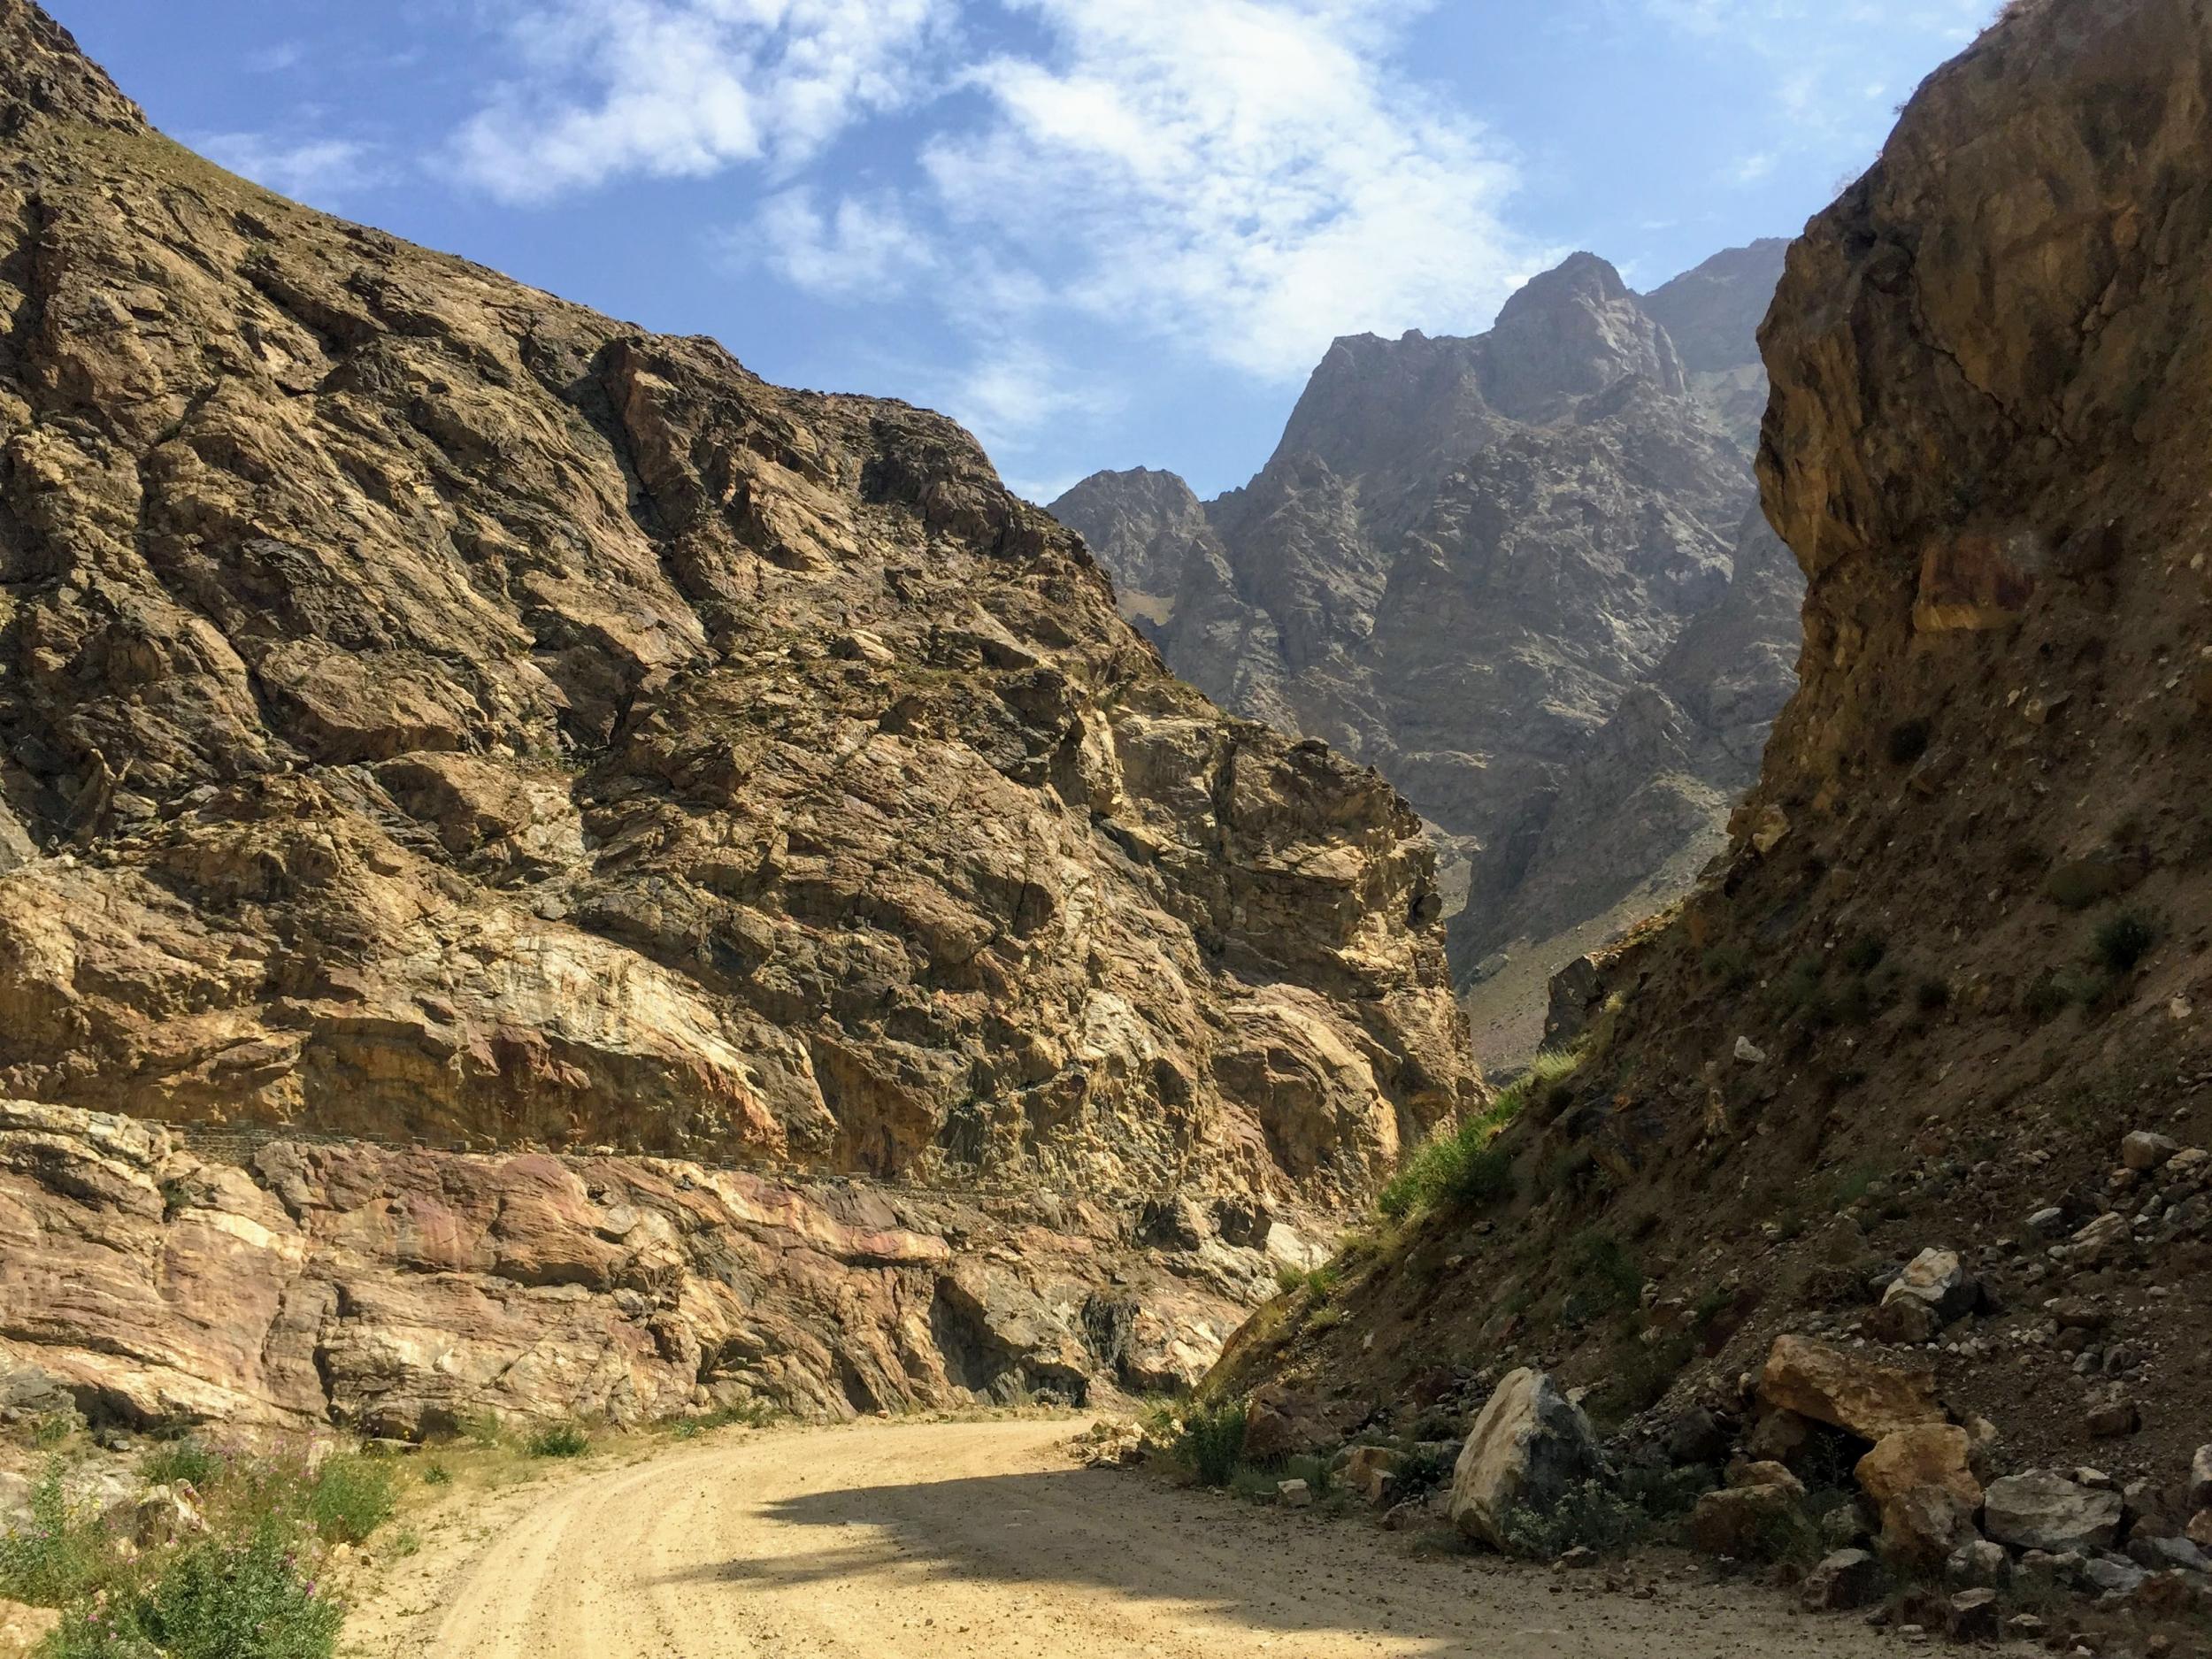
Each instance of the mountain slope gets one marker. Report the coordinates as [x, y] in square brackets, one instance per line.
[1469, 558]
[430, 709]
[1957, 949]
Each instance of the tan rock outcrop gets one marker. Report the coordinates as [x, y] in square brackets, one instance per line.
[1866, 1397]
[1922, 1484]
[433, 709]
[401, 1293]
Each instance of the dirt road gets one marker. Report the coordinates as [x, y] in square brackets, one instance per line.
[911, 1541]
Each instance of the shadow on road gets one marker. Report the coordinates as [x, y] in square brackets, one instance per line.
[1208, 1560]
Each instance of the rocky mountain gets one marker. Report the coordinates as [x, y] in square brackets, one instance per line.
[1915, 1089]
[433, 711]
[1519, 573]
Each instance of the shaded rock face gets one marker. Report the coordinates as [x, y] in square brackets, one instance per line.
[403, 1293]
[429, 708]
[1521, 574]
[1959, 936]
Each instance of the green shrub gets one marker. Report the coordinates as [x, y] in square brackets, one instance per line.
[560, 1440]
[55, 1555]
[434, 1473]
[1662, 1493]
[189, 1460]
[351, 1497]
[1212, 1441]
[1247, 1481]
[2124, 939]
[1601, 1275]
[1591, 1516]
[1932, 996]
[1729, 966]
[1802, 991]
[1864, 954]
[212, 1599]
[1465, 1166]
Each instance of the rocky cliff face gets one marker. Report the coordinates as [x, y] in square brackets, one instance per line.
[1519, 573]
[1946, 993]
[430, 709]
[402, 1293]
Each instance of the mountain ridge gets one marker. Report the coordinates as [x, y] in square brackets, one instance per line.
[1415, 576]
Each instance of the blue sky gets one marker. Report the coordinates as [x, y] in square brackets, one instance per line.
[1100, 233]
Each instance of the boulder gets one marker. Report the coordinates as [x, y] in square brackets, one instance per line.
[162, 1515]
[1745, 1523]
[1846, 1579]
[1279, 1423]
[1921, 1481]
[2201, 1479]
[1978, 1565]
[2114, 1575]
[2043, 1510]
[2167, 1554]
[1765, 1474]
[2146, 1150]
[2102, 1240]
[1293, 1494]
[23, 1628]
[1864, 1396]
[1369, 1471]
[1971, 1616]
[1698, 1436]
[2199, 1531]
[2112, 1414]
[1938, 1279]
[1777, 1437]
[1528, 1446]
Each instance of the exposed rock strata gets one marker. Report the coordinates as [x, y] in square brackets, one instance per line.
[401, 1293]
[429, 708]
[1521, 574]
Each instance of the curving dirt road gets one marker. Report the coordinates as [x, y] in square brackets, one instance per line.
[913, 1541]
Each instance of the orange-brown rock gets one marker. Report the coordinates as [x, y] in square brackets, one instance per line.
[1922, 1484]
[1828, 1384]
[433, 709]
[401, 1293]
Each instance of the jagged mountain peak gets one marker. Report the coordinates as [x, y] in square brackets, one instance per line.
[1464, 557]
[44, 73]
[1571, 333]
[1578, 278]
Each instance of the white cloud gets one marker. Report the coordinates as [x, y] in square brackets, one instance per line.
[1249, 177]
[1014, 388]
[1239, 180]
[675, 88]
[861, 248]
[318, 170]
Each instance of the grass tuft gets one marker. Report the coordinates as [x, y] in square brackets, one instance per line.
[559, 1440]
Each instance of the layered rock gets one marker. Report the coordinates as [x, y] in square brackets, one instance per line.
[1519, 572]
[431, 709]
[403, 1293]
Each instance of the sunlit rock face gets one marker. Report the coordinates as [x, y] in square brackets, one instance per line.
[428, 708]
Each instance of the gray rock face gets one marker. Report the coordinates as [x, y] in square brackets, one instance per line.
[2042, 1510]
[1528, 1447]
[1521, 574]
